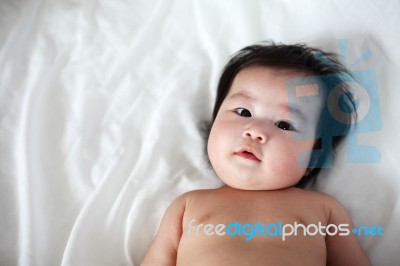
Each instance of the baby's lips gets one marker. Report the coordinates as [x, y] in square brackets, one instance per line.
[248, 153]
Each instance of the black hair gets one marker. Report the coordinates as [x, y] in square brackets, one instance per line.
[310, 61]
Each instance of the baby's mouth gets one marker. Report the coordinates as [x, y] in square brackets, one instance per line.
[248, 154]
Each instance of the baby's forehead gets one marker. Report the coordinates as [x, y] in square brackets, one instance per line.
[277, 71]
[279, 78]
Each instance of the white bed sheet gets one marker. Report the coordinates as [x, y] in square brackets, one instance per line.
[102, 105]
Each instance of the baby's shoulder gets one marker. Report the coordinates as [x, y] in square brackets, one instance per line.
[201, 194]
[329, 203]
[193, 195]
[312, 195]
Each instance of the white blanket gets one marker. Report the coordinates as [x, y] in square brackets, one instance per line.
[102, 106]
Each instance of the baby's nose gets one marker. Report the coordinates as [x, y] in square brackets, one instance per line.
[256, 133]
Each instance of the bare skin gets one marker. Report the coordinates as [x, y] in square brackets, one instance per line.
[254, 147]
[175, 245]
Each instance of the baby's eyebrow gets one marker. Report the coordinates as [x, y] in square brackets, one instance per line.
[294, 110]
[241, 95]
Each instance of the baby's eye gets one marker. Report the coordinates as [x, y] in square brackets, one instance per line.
[284, 125]
[243, 112]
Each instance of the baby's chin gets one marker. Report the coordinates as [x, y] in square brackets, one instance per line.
[256, 186]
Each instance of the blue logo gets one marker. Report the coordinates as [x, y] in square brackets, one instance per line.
[335, 110]
[283, 231]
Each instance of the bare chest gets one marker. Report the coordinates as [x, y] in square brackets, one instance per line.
[239, 230]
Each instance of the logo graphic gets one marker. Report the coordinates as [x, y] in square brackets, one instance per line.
[363, 95]
[249, 231]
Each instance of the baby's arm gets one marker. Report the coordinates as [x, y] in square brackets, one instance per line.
[164, 248]
[343, 250]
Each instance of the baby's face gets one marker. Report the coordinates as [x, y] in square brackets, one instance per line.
[257, 139]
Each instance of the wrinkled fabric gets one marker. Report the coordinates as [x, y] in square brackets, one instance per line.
[104, 107]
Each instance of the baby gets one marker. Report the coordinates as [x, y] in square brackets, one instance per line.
[265, 143]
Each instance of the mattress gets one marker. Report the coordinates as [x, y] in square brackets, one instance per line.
[104, 105]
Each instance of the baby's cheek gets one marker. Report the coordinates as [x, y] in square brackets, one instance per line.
[215, 145]
[291, 165]
[292, 173]
[211, 149]
[288, 167]
[304, 153]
